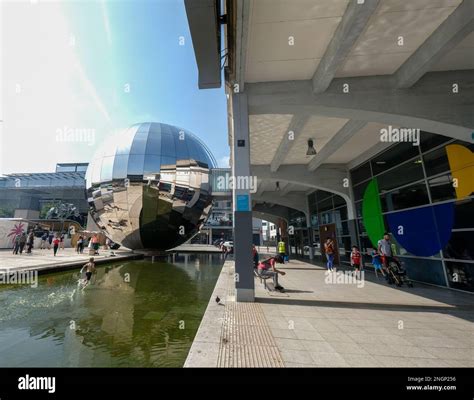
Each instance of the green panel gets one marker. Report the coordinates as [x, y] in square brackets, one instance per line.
[372, 213]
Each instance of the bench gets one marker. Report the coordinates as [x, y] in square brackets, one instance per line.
[263, 278]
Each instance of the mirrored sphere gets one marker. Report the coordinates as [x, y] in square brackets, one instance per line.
[148, 188]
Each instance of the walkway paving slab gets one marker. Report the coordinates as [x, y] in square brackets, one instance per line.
[320, 324]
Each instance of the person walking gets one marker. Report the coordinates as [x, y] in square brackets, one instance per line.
[50, 239]
[80, 245]
[282, 249]
[384, 247]
[61, 241]
[23, 238]
[95, 244]
[30, 241]
[56, 242]
[44, 240]
[16, 244]
[329, 251]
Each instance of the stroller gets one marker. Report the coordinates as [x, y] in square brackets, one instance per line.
[396, 273]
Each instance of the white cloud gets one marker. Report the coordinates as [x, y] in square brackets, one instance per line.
[45, 90]
[223, 162]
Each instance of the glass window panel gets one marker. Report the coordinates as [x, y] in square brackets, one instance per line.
[411, 171]
[441, 188]
[341, 213]
[166, 160]
[180, 142]
[358, 207]
[424, 270]
[107, 168]
[153, 144]
[338, 201]
[431, 140]
[410, 196]
[359, 190]
[436, 162]
[322, 194]
[120, 167]
[123, 147]
[135, 164]
[140, 140]
[325, 205]
[361, 173]
[167, 143]
[460, 275]
[464, 214]
[394, 156]
[152, 164]
[460, 246]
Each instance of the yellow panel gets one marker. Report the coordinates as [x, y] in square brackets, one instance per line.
[461, 162]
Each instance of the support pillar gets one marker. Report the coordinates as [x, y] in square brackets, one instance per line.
[240, 155]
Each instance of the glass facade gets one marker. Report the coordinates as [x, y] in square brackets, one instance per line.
[411, 177]
[327, 208]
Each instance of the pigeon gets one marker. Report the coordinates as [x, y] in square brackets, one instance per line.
[218, 301]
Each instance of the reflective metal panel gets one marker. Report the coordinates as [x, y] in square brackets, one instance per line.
[154, 191]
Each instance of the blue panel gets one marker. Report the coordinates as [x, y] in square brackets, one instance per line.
[426, 230]
[243, 203]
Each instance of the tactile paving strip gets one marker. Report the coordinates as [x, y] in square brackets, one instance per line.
[246, 339]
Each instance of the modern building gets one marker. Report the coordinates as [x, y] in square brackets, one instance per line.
[26, 195]
[351, 128]
[269, 231]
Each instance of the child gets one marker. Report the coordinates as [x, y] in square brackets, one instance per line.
[377, 262]
[89, 268]
[355, 259]
[56, 242]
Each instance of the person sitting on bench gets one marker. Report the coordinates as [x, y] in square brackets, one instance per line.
[267, 268]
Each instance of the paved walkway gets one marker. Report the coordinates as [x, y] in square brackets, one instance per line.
[320, 324]
[43, 260]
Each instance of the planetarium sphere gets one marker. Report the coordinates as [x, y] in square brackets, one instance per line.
[148, 187]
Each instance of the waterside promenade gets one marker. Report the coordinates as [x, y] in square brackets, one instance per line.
[317, 323]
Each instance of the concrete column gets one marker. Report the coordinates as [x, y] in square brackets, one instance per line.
[242, 205]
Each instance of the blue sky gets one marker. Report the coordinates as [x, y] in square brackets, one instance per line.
[99, 66]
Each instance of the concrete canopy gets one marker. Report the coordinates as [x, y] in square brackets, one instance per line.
[399, 62]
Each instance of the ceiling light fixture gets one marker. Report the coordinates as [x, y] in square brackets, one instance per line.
[311, 150]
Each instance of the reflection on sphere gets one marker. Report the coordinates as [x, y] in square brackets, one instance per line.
[148, 188]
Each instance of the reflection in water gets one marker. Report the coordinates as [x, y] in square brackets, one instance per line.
[133, 314]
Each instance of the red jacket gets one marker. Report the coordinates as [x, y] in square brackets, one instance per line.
[355, 257]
